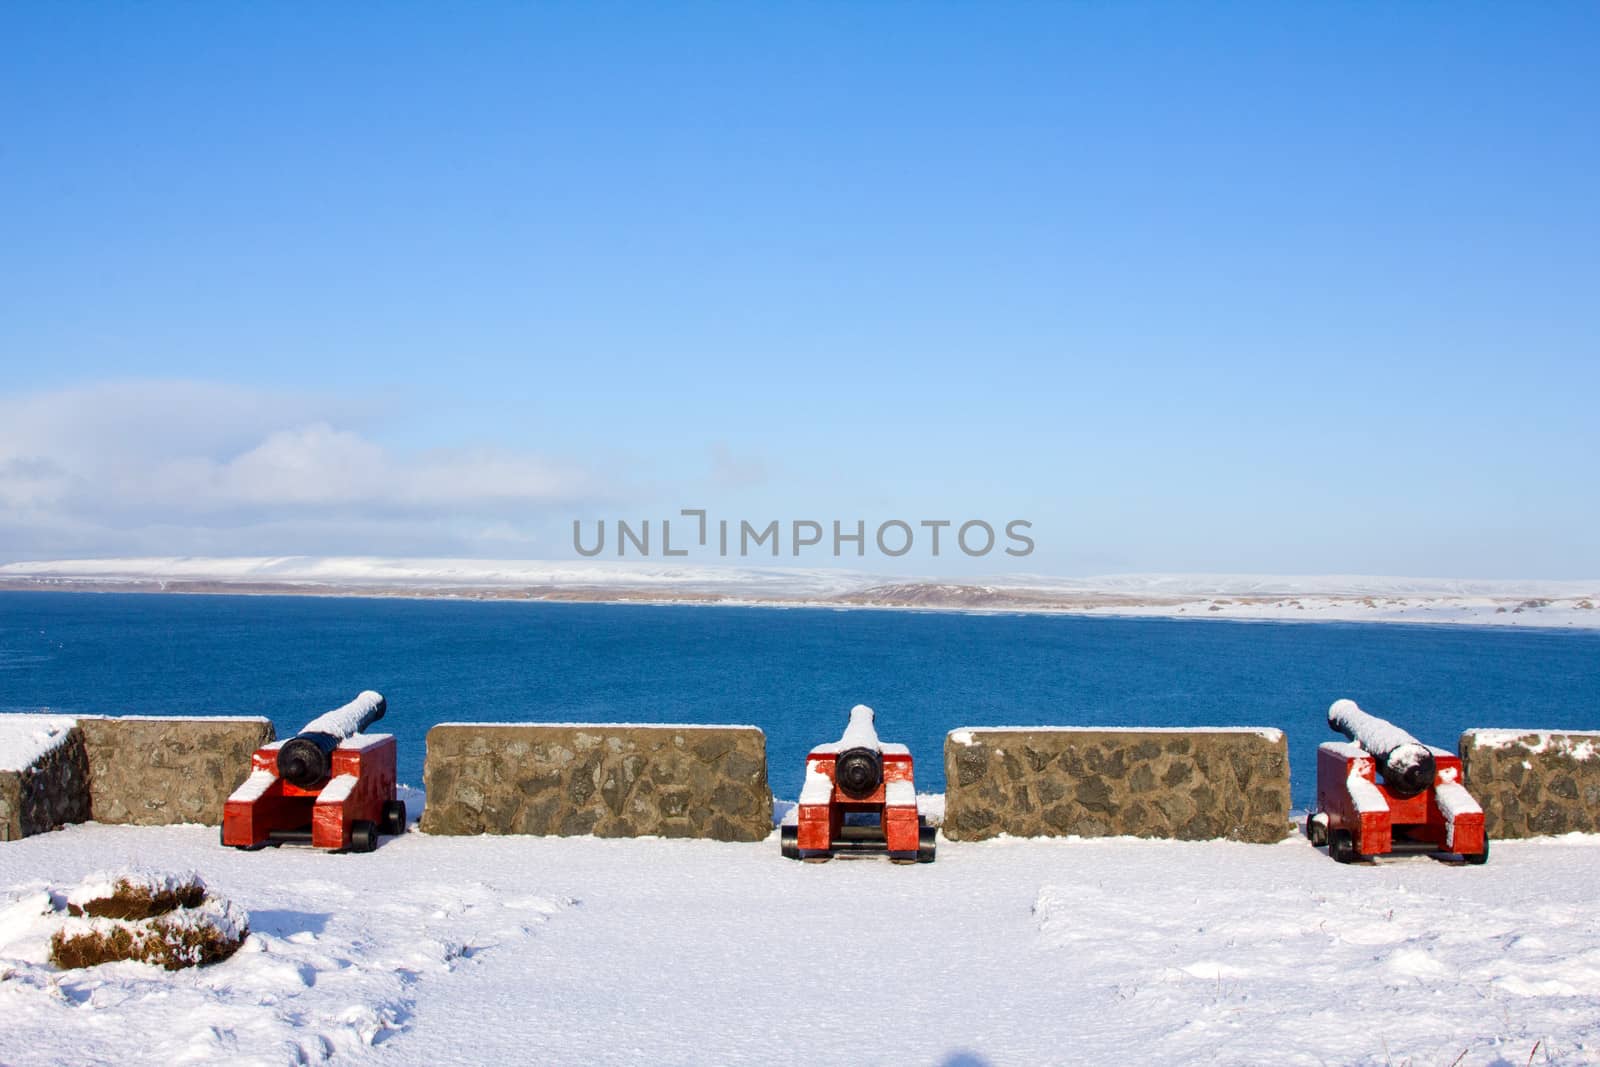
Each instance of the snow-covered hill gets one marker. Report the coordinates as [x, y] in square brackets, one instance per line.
[1237, 596]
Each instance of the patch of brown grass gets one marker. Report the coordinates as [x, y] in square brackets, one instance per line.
[147, 917]
[161, 940]
[129, 901]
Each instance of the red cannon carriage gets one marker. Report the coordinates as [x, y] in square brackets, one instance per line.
[858, 798]
[330, 786]
[1383, 791]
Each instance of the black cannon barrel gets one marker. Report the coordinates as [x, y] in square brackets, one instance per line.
[1406, 764]
[859, 771]
[858, 768]
[307, 757]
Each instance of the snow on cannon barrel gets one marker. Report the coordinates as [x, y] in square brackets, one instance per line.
[859, 797]
[1406, 764]
[307, 757]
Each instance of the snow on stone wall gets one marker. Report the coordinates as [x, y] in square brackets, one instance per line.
[1532, 783]
[44, 780]
[25, 738]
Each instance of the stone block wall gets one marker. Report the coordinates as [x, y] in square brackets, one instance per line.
[155, 771]
[1533, 783]
[609, 780]
[1055, 781]
[51, 791]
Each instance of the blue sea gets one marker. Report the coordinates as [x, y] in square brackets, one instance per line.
[793, 672]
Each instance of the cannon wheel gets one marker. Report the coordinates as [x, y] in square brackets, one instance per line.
[1478, 859]
[1342, 846]
[363, 836]
[927, 843]
[1316, 832]
[789, 841]
[393, 820]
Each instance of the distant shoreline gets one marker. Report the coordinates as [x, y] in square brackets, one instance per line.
[1541, 613]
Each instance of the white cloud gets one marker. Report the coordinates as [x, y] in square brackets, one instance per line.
[313, 464]
[201, 467]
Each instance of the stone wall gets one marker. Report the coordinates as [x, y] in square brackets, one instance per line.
[51, 791]
[1054, 781]
[178, 770]
[607, 780]
[1533, 783]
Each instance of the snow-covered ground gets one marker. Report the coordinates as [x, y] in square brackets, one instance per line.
[549, 950]
[1533, 603]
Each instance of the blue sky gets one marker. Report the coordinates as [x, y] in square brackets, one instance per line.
[1267, 288]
